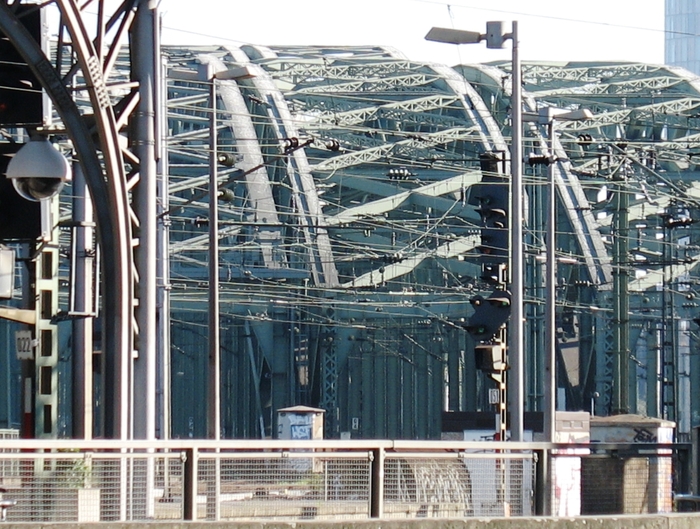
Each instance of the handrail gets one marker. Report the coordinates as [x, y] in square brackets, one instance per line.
[326, 444]
[370, 459]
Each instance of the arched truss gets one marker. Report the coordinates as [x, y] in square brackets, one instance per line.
[85, 60]
[347, 244]
[350, 172]
[361, 159]
[640, 144]
[362, 119]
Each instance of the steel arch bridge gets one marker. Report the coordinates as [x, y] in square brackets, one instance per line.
[349, 249]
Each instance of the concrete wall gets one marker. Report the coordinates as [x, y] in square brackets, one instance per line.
[668, 521]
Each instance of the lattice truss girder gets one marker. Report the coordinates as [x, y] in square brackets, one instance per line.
[543, 74]
[366, 113]
[653, 112]
[413, 82]
[320, 70]
[347, 113]
[413, 150]
[632, 88]
[434, 137]
[670, 113]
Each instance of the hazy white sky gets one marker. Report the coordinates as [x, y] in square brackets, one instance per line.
[559, 30]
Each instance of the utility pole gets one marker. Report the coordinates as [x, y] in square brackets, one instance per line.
[621, 340]
[214, 361]
[83, 279]
[145, 68]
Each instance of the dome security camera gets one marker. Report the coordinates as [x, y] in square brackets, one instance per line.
[38, 171]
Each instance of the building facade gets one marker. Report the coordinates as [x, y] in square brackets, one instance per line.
[682, 42]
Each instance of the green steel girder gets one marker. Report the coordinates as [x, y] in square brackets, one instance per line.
[611, 92]
[318, 70]
[389, 85]
[537, 75]
[395, 199]
[386, 112]
[416, 111]
[408, 263]
[415, 148]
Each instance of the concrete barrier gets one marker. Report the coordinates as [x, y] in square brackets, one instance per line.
[667, 521]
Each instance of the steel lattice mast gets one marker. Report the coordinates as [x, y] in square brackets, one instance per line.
[112, 171]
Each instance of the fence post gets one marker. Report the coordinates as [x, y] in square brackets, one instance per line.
[542, 507]
[376, 494]
[189, 486]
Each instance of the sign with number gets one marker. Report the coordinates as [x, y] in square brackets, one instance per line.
[24, 345]
[494, 396]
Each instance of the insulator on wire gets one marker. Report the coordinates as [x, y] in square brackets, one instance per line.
[538, 159]
[290, 144]
[226, 195]
[227, 159]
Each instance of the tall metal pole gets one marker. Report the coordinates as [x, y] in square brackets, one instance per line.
[83, 285]
[621, 373]
[550, 363]
[163, 269]
[516, 326]
[144, 56]
[213, 389]
[494, 38]
[550, 374]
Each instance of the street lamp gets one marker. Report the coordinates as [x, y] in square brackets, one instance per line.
[548, 116]
[213, 73]
[495, 38]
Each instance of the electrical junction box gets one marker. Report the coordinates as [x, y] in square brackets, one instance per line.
[300, 423]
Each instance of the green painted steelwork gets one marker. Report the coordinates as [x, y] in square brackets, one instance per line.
[392, 146]
[348, 247]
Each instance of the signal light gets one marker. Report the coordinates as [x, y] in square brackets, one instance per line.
[492, 201]
[490, 357]
[477, 330]
[499, 301]
[494, 273]
[490, 315]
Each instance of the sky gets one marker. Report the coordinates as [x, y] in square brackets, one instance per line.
[549, 30]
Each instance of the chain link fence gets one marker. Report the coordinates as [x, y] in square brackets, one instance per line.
[324, 480]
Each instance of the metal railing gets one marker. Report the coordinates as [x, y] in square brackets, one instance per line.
[73, 481]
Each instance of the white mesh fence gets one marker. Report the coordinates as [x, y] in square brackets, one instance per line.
[458, 485]
[268, 480]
